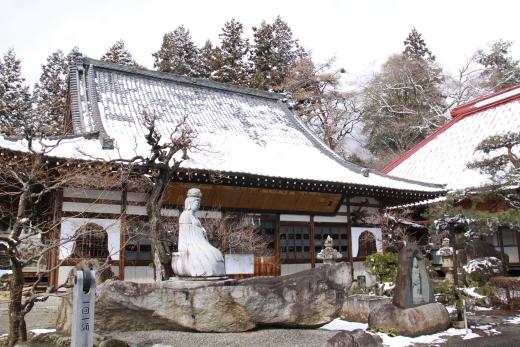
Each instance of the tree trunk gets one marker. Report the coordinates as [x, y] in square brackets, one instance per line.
[16, 320]
[159, 239]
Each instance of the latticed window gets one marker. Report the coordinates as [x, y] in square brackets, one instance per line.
[294, 241]
[91, 242]
[366, 244]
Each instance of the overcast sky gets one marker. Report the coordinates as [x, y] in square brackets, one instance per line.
[361, 34]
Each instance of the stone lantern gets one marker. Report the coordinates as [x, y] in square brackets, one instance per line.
[328, 254]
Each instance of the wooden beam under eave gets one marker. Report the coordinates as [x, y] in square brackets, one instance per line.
[256, 199]
[277, 244]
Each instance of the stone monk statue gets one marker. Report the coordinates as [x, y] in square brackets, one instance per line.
[196, 257]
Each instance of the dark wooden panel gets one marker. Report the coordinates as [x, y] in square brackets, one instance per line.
[229, 197]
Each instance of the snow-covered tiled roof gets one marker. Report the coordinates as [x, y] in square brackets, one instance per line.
[442, 157]
[237, 129]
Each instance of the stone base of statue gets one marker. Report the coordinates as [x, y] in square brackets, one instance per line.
[306, 299]
[412, 322]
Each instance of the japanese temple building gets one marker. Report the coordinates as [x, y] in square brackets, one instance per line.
[252, 154]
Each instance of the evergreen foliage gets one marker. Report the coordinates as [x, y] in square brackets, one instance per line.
[500, 70]
[119, 54]
[231, 57]
[274, 54]
[178, 54]
[208, 60]
[50, 94]
[501, 160]
[15, 99]
[404, 101]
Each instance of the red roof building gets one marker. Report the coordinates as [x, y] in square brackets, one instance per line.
[443, 156]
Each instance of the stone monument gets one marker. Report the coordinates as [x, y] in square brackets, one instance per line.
[413, 310]
[328, 254]
[196, 257]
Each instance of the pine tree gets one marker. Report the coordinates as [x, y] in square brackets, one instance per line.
[404, 101]
[50, 94]
[178, 54]
[500, 69]
[275, 53]
[415, 47]
[231, 63]
[15, 100]
[119, 54]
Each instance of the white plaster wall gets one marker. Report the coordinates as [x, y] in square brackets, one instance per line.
[141, 274]
[331, 219]
[295, 218]
[70, 225]
[356, 231]
[287, 269]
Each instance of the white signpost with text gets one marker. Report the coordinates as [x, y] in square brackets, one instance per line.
[83, 298]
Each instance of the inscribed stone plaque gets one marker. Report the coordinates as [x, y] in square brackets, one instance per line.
[413, 285]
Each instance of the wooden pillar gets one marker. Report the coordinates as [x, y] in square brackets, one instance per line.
[54, 253]
[123, 231]
[277, 244]
[500, 239]
[349, 231]
[312, 248]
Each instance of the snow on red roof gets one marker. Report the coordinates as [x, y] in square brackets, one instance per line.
[442, 156]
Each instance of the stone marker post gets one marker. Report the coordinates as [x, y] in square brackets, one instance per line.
[83, 298]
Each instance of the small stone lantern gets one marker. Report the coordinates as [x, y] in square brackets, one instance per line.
[329, 254]
[446, 254]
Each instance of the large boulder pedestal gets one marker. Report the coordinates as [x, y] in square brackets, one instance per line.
[305, 299]
[412, 322]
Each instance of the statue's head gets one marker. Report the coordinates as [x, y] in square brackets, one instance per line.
[192, 201]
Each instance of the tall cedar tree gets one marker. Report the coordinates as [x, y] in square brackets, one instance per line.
[319, 101]
[119, 54]
[178, 54]
[500, 70]
[231, 56]
[50, 94]
[403, 102]
[208, 60]
[15, 99]
[274, 54]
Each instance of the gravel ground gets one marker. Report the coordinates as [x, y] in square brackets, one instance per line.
[264, 337]
[42, 316]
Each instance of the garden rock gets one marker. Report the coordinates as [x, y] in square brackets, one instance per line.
[412, 322]
[357, 307]
[308, 298]
[355, 338]
[481, 270]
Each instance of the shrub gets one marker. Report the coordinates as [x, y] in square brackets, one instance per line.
[383, 266]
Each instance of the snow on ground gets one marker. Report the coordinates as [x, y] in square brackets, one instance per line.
[43, 331]
[403, 341]
[37, 331]
[471, 292]
[481, 308]
[515, 320]
[338, 324]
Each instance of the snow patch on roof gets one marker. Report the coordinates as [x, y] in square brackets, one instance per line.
[444, 157]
